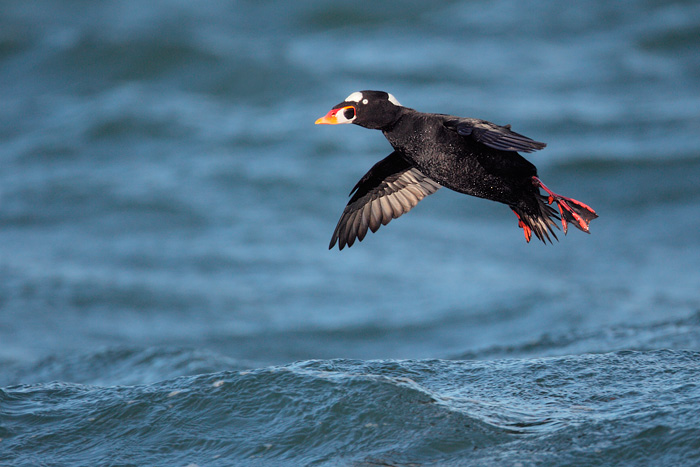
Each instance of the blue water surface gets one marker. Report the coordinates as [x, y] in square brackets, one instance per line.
[166, 292]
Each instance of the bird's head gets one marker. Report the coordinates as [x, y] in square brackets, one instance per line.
[370, 109]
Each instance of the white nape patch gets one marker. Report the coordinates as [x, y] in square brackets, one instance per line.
[354, 97]
[393, 100]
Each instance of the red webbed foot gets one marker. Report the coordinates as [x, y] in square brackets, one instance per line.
[526, 228]
[570, 210]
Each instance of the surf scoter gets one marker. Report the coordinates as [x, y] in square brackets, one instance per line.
[467, 155]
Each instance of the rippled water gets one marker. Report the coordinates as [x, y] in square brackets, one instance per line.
[166, 292]
[577, 410]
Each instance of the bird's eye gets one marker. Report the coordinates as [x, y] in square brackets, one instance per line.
[365, 101]
[349, 113]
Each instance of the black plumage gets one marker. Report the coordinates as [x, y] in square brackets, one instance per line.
[467, 155]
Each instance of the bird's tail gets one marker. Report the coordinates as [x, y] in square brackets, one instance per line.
[540, 221]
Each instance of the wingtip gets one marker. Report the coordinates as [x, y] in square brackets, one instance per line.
[337, 240]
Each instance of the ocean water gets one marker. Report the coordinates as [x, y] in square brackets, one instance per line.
[166, 292]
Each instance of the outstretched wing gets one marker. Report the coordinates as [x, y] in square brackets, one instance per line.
[492, 135]
[390, 189]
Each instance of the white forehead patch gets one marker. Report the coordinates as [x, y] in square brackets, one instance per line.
[357, 97]
[354, 97]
